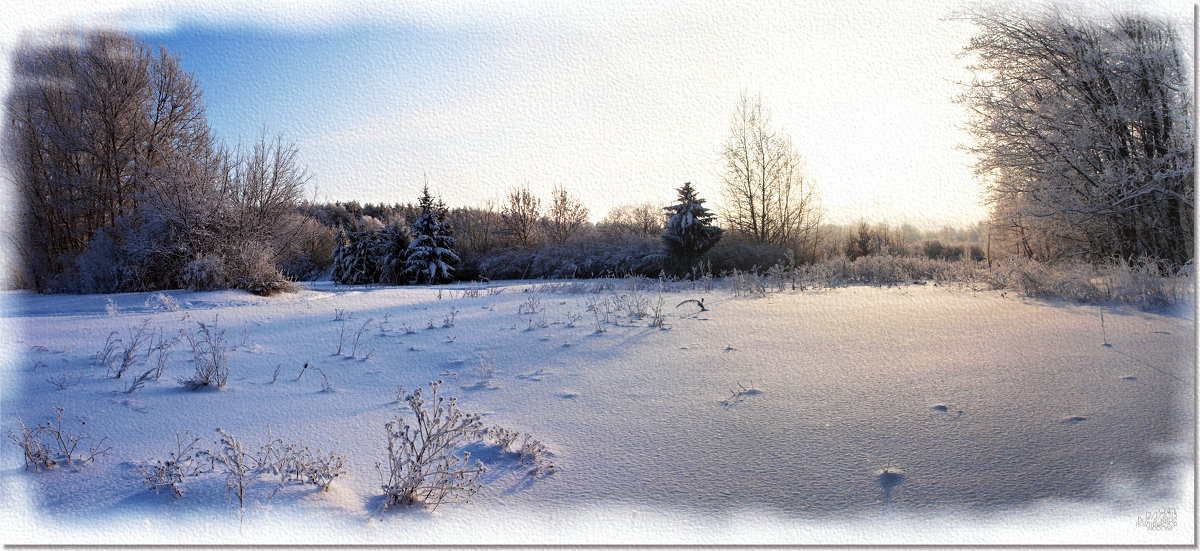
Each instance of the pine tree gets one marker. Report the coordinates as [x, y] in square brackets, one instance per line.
[690, 231]
[430, 255]
[393, 254]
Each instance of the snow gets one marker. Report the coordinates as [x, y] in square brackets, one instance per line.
[916, 414]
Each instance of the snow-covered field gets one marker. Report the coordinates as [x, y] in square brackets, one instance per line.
[999, 418]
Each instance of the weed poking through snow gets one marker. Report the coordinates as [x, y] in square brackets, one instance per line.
[736, 395]
[209, 351]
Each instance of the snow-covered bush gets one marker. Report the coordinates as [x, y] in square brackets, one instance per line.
[184, 462]
[204, 273]
[162, 301]
[49, 443]
[523, 445]
[99, 267]
[423, 462]
[209, 351]
[253, 270]
[578, 258]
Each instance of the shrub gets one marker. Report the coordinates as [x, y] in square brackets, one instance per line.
[50, 444]
[184, 462]
[524, 446]
[423, 464]
[131, 346]
[209, 351]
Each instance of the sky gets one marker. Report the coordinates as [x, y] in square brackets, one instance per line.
[618, 102]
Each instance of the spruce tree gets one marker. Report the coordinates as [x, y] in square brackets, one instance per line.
[341, 251]
[690, 231]
[393, 254]
[356, 259]
[431, 258]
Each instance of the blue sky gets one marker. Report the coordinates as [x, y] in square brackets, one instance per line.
[306, 83]
[617, 101]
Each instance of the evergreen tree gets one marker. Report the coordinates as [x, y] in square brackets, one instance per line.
[690, 231]
[341, 250]
[356, 259]
[430, 255]
[393, 254]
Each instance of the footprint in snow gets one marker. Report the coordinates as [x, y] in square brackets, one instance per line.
[568, 395]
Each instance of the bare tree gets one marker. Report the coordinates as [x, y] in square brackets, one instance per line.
[768, 196]
[1083, 130]
[640, 219]
[95, 123]
[123, 187]
[565, 216]
[476, 228]
[520, 215]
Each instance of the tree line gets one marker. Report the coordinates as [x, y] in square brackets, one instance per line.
[1082, 131]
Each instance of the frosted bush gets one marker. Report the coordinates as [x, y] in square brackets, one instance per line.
[180, 464]
[162, 301]
[131, 347]
[532, 304]
[50, 443]
[108, 355]
[527, 449]
[64, 379]
[422, 463]
[205, 273]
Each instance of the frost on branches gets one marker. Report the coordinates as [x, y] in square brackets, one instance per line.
[690, 231]
[1083, 130]
[422, 461]
[430, 255]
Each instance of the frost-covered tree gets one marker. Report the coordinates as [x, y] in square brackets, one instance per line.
[690, 231]
[122, 186]
[431, 258]
[1083, 131]
[393, 254]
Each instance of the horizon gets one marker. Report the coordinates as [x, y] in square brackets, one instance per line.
[620, 104]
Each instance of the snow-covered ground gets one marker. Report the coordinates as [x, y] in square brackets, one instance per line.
[999, 418]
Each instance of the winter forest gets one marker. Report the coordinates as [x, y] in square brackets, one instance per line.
[201, 350]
